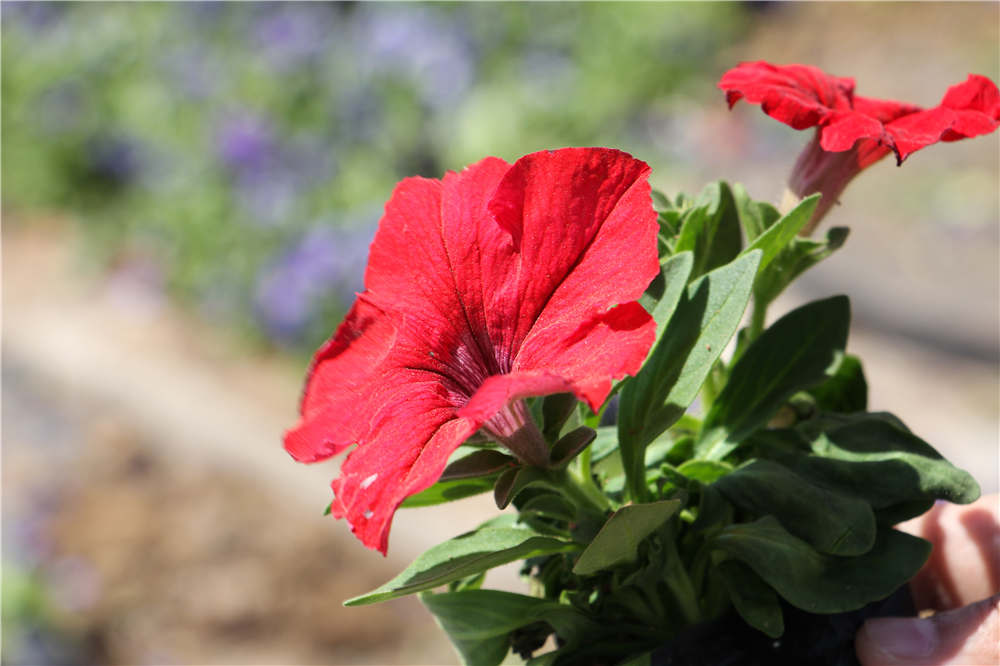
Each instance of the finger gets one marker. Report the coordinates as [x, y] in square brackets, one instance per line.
[968, 635]
[965, 563]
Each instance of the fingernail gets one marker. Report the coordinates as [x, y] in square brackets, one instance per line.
[902, 638]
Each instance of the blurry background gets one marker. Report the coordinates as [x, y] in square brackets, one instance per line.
[189, 191]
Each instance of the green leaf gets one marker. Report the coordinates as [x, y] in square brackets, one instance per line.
[705, 319]
[479, 622]
[777, 237]
[713, 509]
[619, 538]
[824, 583]
[570, 445]
[514, 481]
[795, 353]
[556, 410]
[755, 216]
[661, 202]
[873, 459]
[711, 229]
[604, 444]
[463, 556]
[484, 462]
[663, 294]
[449, 491]
[846, 391]
[705, 471]
[831, 522]
[800, 255]
[756, 603]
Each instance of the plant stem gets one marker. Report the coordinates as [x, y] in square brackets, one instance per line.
[584, 495]
[677, 579]
[758, 317]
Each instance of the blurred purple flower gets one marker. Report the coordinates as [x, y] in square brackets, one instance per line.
[424, 44]
[293, 33]
[325, 261]
[36, 16]
[246, 144]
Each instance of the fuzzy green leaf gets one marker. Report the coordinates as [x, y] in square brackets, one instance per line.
[705, 319]
[794, 353]
[772, 241]
[831, 522]
[479, 622]
[463, 556]
[824, 583]
[711, 229]
[846, 391]
[619, 538]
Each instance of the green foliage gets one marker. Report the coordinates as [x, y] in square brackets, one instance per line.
[704, 321]
[795, 353]
[754, 600]
[710, 229]
[779, 487]
[619, 538]
[482, 624]
[465, 555]
[831, 522]
[823, 583]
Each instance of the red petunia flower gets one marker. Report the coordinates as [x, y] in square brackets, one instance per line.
[483, 288]
[854, 132]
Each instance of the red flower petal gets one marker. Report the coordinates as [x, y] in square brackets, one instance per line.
[798, 95]
[494, 284]
[583, 249]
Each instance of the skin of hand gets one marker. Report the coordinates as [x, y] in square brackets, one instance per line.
[960, 582]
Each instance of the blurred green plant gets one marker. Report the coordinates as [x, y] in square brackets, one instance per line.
[242, 152]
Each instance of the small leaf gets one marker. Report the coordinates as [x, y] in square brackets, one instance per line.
[800, 255]
[713, 509]
[619, 538]
[824, 583]
[571, 444]
[705, 319]
[777, 237]
[503, 490]
[755, 216]
[831, 522]
[756, 603]
[556, 410]
[706, 471]
[484, 462]
[711, 229]
[463, 556]
[514, 481]
[846, 391]
[793, 354]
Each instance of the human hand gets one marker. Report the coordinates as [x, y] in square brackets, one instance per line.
[961, 582]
